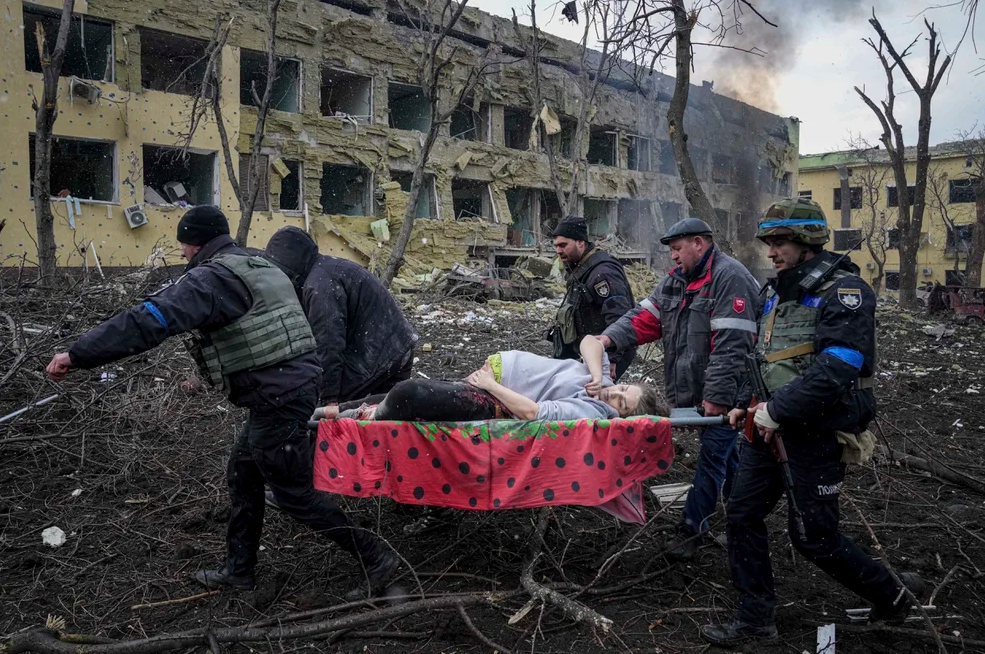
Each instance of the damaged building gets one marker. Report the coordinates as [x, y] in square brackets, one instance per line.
[344, 133]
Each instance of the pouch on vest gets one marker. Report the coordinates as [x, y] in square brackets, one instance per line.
[196, 345]
[856, 449]
[566, 330]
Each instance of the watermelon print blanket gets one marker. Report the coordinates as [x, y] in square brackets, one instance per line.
[497, 464]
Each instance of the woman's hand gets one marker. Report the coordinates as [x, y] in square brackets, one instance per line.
[482, 378]
[594, 387]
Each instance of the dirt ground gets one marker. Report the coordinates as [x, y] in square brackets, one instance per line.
[132, 469]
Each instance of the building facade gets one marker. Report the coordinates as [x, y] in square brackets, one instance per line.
[869, 216]
[342, 138]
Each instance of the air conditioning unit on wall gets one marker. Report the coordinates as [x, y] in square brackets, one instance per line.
[135, 216]
[869, 265]
[928, 271]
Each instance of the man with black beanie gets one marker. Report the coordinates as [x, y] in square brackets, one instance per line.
[598, 293]
[250, 339]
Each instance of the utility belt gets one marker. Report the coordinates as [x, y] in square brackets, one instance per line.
[804, 349]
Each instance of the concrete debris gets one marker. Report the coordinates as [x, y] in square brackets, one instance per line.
[642, 280]
[939, 330]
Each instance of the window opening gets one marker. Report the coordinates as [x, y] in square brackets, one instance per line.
[409, 108]
[174, 177]
[88, 53]
[345, 190]
[426, 206]
[286, 92]
[346, 94]
[171, 63]
[81, 168]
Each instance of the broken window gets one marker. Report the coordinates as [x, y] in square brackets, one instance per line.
[285, 95]
[855, 194]
[522, 203]
[807, 195]
[345, 190]
[699, 158]
[246, 179]
[892, 196]
[767, 178]
[81, 168]
[846, 239]
[636, 225]
[346, 94]
[409, 107]
[602, 146]
[958, 237]
[671, 212]
[638, 153]
[892, 280]
[172, 176]
[291, 186]
[892, 238]
[470, 124]
[721, 169]
[566, 137]
[960, 190]
[427, 207]
[471, 199]
[954, 278]
[171, 63]
[550, 212]
[517, 124]
[601, 216]
[668, 163]
[88, 53]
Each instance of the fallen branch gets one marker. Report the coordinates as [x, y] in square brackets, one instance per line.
[905, 591]
[478, 634]
[935, 468]
[180, 600]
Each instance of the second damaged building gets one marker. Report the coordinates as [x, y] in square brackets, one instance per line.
[345, 131]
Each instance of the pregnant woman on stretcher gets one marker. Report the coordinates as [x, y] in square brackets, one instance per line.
[518, 385]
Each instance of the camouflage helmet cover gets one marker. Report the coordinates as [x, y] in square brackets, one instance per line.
[797, 219]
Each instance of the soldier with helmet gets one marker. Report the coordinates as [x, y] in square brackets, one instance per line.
[816, 349]
[704, 312]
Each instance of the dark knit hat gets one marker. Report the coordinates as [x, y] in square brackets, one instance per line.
[201, 224]
[573, 227]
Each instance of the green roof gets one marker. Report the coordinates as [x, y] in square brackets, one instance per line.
[879, 155]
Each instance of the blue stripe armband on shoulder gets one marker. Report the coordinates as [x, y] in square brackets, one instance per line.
[154, 311]
[853, 358]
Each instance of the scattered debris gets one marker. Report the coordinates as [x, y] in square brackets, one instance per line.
[53, 537]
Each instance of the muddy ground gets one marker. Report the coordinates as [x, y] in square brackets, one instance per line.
[132, 469]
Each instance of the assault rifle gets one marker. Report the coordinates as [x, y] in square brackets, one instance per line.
[762, 394]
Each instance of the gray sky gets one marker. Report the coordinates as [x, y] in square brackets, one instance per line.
[815, 58]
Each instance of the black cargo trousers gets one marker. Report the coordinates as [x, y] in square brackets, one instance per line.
[276, 448]
[815, 463]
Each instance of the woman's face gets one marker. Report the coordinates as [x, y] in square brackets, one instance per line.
[624, 398]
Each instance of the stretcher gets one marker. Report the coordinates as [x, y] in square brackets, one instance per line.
[500, 464]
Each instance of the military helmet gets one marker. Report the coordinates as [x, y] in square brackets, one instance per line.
[688, 227]
[797, 219]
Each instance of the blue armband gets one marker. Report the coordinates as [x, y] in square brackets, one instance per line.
[154, 311]
[853, 358]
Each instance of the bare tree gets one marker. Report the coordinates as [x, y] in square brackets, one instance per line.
[433, 72]
[938, 202]
[592, 70]
[910, 209]
[871, 177]
[209, 97]
[46, 112]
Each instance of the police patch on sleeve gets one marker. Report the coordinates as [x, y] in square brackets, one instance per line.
[602, 288]
[850, 297]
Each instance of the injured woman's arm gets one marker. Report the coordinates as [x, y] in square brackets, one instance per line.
[520, 406]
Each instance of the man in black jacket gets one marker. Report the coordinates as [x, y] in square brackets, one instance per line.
[364, 343]
[251, 339]
[598, 294]
[817, 341]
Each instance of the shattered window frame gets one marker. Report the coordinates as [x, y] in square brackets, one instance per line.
[246, 180]
[345, 73]
[667, 162]
[486, 200]
[960, 191]
[153, 165]
[406, 86]
[601, 153]
[639, 144]
[245, 94]
[56, 153]
[958, 238]
[635, 223]
[525, 120]
[611, 218]
[430, 188]
[182, 83]
[529, 235]
[299, 173]
[50, 18]
[367, 190]
[481, 119]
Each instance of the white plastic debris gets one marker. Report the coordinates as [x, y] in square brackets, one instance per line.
[939, 330]
[107, 376]
[53, 537]
[76, 492]
[971, 390]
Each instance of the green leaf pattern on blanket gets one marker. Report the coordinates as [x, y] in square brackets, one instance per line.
[500, 429]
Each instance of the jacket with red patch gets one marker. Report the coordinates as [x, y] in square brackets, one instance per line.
[707, 323]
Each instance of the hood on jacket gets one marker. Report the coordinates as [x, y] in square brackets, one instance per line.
[292, 250]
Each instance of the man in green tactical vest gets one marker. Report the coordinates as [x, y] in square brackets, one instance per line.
[598, 293]
[250, 339]
[817, 353]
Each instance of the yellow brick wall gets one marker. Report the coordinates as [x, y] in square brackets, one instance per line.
[822, 182]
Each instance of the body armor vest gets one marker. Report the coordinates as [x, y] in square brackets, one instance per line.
[275, 328]
[786, 335]
[573, 320]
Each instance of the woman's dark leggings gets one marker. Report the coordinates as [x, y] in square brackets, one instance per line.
[433, 399]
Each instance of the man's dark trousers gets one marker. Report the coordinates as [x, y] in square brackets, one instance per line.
[815, 462]
[275, 447]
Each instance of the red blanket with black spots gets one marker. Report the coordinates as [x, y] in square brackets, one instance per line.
[498, 464]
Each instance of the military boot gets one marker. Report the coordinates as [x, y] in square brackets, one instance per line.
[896, 613]
[736, 632]
[380, 566]
[222, 578]
[682, 546]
